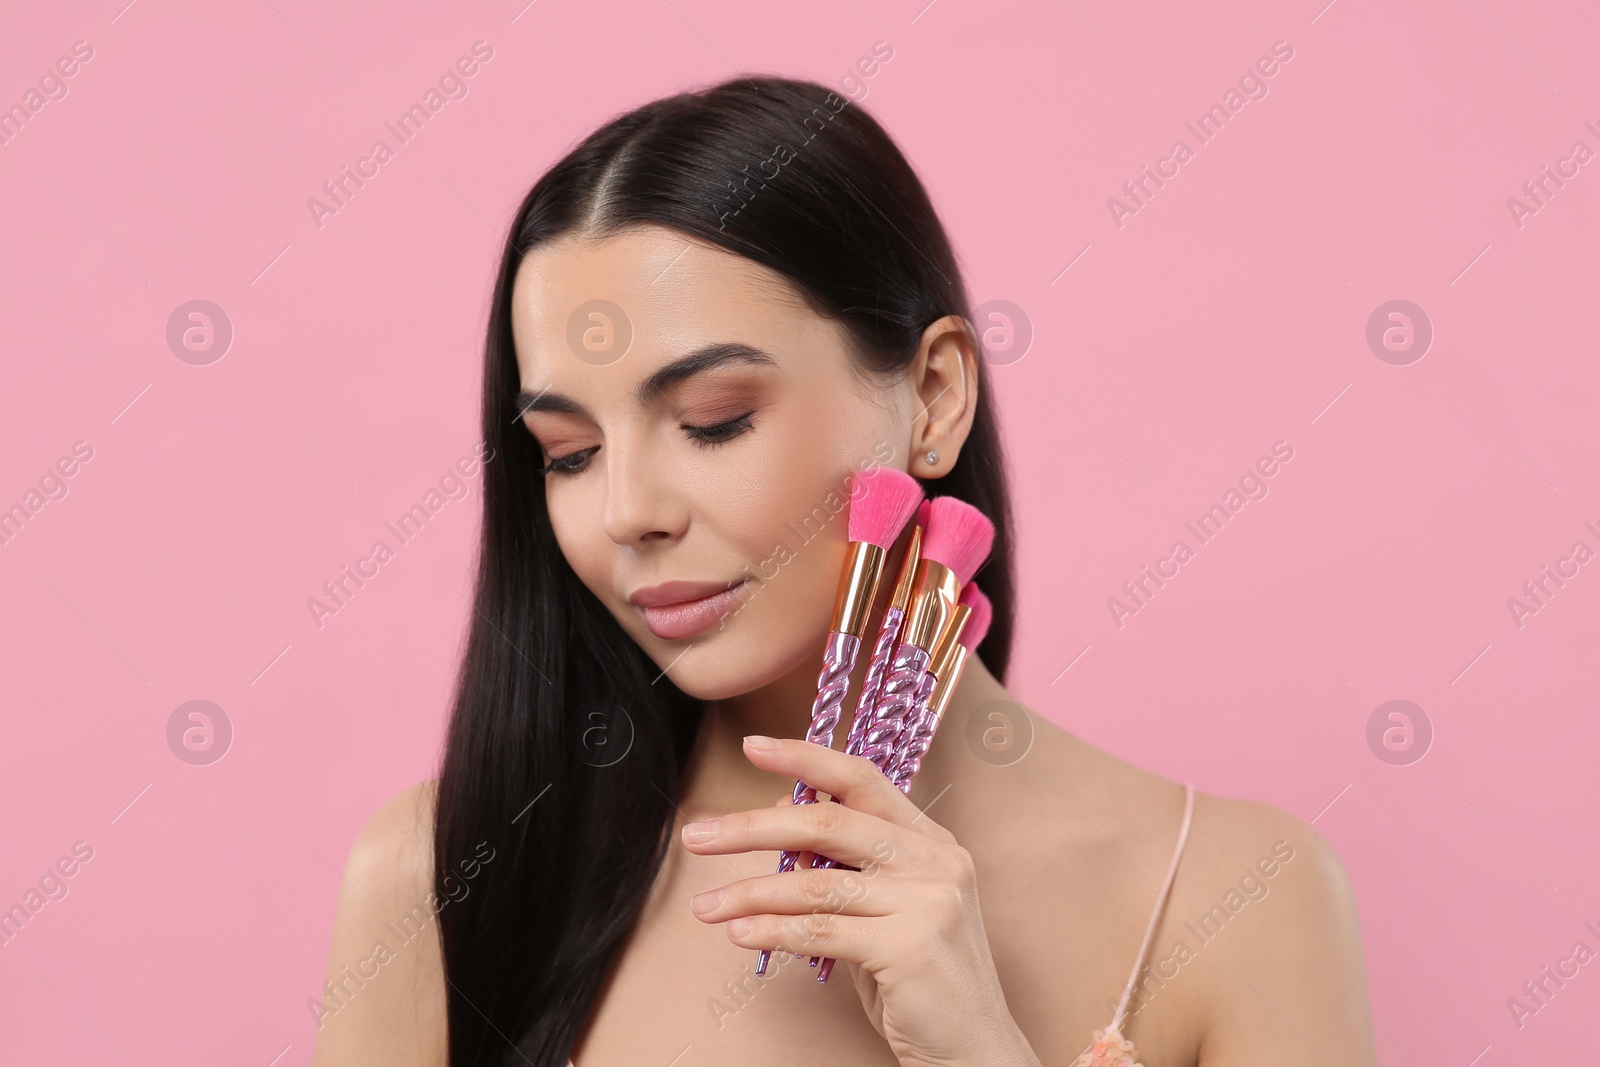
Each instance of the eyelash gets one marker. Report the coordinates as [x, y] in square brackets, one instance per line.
[565, 464]
[704, 436]
[712, 436]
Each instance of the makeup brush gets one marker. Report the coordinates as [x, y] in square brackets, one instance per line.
[948, 661]
[960, 533]
[888, 633]
[878, 668]
[956, 543]
[954, 546]
[881, 500]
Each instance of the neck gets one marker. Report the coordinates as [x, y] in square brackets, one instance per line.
[719, 778]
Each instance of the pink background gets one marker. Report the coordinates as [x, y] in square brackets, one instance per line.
[1227, 314]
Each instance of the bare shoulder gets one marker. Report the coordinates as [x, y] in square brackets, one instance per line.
[383, 1000]
[395, 847]
[1232, 838]
[1267, 918]
[1257, 956]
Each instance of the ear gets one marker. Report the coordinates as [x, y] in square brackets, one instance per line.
[944, 390]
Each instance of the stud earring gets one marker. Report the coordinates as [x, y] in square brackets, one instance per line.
[932, 457]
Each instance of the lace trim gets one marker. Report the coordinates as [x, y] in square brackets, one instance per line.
[1110, 1049]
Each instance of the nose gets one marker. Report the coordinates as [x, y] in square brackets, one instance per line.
[643, 503]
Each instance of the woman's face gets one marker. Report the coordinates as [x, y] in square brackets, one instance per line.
[700, 428]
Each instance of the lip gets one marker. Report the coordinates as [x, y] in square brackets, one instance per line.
[675, 610]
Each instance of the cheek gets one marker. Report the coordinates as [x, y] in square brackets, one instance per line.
[579, 537]
[784, 507]
[774, 496]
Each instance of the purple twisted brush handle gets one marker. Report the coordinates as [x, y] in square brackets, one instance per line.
[889, 717]
[838, 660]
[895, 704]
[888, 633]
[915, 738]
[871, 689]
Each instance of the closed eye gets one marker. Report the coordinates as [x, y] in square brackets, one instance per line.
[569, 464]
[704, 436]
[711, 436]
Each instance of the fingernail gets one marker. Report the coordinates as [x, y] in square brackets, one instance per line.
[760, 742]
[699, 832]
[704, 902]
[740, 927]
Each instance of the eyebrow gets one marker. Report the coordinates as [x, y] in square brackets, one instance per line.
[649, 390]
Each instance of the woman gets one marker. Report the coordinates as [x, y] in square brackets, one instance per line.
[708, 315]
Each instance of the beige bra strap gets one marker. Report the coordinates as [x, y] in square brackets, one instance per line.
[1161, 899]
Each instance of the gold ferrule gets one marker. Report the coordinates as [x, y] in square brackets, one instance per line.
[938, 590]
[944, 650]
[858, 587]
[903, 583]
[945, 686]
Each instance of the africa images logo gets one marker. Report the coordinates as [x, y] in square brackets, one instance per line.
[451, 85]
[1252, 85]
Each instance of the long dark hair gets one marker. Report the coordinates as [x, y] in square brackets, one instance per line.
[796, 178]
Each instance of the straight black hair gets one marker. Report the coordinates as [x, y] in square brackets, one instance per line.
[796, 178]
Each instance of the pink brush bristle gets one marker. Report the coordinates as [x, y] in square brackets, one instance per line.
[977, 627]
[924, 509]
[882, 499]
[957, 535]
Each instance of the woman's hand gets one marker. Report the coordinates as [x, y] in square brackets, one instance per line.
[906, 927]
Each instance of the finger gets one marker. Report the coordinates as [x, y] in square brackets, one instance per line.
[833, 830]
[846, 937]
[802, 860]
[805, 858]
[853, 779]
[837, 891]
